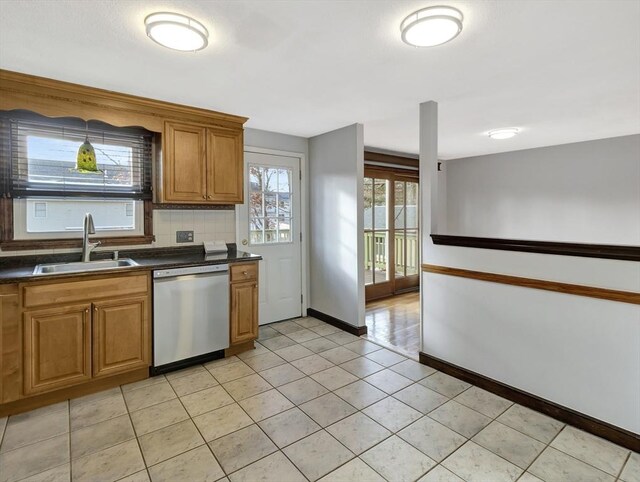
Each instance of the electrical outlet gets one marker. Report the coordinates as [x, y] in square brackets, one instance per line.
[184, 236]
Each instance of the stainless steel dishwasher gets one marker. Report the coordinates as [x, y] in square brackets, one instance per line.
[190, 316]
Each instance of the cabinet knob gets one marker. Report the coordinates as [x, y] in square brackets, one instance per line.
[87, 310]
[245, 273]
[204, 197]
[208, 197]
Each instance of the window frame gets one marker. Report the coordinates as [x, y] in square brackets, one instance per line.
[20, 214]
[8, 241]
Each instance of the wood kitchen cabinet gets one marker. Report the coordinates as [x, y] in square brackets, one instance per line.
[184, 170]
[244, 303]
[10, 343]
[202, 165]
[72, 336]
[57, 348]
[121, 335]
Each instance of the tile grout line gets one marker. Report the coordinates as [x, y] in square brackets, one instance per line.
[624, 464]
[144, 461]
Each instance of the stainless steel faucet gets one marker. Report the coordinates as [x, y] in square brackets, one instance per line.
[87, 229]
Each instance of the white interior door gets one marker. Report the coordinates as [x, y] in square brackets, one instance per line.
[268, 223]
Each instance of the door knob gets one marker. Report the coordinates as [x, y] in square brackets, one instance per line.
[245, 242]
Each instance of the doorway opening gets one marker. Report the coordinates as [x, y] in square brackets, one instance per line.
[391, 251]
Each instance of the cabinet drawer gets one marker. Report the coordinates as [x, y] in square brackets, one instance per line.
[243, 272]
[83, 290]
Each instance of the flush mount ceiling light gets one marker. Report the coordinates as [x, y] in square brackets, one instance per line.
[505, 133]
[176, 31]
[431, 26]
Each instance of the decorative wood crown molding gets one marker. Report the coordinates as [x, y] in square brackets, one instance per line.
[56, 98]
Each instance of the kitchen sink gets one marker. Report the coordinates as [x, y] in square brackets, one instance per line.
[80, 267]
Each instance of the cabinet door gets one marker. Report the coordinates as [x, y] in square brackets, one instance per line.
[57, 348]
[225, 164]
[244, 312]
[121, 336]
[10, 344]
[184, 166]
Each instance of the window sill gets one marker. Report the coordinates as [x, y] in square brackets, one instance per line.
[24, 244]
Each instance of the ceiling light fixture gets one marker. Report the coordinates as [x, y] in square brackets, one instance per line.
[505, 133]
[176, 31]
[431, 26]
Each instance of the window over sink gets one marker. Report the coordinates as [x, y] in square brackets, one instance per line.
[50, 193]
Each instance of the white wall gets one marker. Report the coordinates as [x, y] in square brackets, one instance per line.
[336, 168]
[583, 192]
[580, 352]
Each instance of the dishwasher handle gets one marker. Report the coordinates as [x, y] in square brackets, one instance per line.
[191, 270]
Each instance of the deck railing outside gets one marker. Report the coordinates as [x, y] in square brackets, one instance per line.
[375, 252]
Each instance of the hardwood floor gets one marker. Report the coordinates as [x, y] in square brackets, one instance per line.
[395, 322]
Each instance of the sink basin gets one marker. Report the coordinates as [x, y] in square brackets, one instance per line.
[79, 267]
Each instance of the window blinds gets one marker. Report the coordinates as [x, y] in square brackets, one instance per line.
[38, 158]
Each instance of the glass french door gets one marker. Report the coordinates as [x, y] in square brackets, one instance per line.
[391, 233]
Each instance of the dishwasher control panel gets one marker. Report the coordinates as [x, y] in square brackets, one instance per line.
[170, 273]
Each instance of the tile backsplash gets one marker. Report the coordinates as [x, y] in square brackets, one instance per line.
[205, 224]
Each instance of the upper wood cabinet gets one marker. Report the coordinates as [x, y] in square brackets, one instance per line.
[225, 165]
[202, 165]
[184, 173]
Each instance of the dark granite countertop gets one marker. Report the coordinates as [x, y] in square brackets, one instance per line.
[15, 269]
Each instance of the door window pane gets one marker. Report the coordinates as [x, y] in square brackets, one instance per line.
[380, 204]
[271, 179]
[271, 230]
[368, 203]
[400, 208]
[270, 205]
[256, 175]
[412, 204]
[284, 230]
[256, 205]
[256, 234]
[284, 204]
[284, 180]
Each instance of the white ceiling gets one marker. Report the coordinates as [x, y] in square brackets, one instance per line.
[563, 71]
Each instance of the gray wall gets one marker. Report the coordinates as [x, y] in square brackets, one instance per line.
[336, 166]
[576, 351]
[585, 192]
[275, 140]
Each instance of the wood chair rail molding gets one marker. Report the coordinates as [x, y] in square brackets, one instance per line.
[55, 98]
[567, 288]
[605, 251]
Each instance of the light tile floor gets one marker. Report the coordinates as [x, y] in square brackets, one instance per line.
[309, 403]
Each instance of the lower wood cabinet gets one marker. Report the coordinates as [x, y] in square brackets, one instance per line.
[244, 312]
[244, 303]
[121, 336]
[62, 338]
[56, 348]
